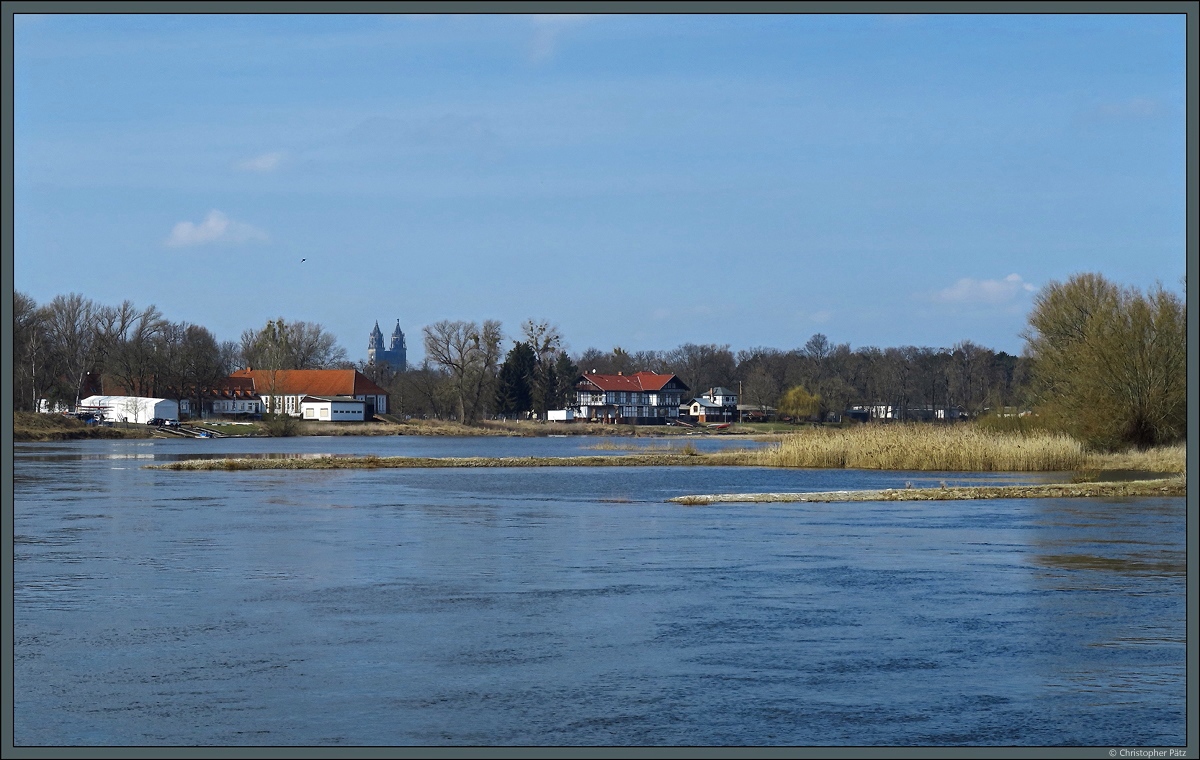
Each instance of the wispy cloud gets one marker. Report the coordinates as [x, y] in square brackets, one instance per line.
[989, 292]
[267, 162]
[547, 31]
[821, 316]
[216, 228]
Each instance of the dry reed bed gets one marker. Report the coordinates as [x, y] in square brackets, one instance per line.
[1160, 487]
[1163, 459]
[925, 447]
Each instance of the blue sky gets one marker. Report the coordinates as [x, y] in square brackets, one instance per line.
[641, 181]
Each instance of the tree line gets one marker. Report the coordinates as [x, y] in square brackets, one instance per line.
[467, 375]
[72, 345]
[1105, 363]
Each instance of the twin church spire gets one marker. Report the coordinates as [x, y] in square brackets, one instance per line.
[395, 355]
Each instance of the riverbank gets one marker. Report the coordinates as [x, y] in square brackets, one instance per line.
[388, 425]
[733, 458]
[29, 427]
[1176, 486]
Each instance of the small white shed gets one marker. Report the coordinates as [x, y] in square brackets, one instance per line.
[332, 409]
[130, 408]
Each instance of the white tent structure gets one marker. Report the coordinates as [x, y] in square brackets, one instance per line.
[130, 408]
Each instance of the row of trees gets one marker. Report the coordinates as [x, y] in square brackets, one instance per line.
[1106, 363]
[836, 377]
[464, 378]
[72, 346]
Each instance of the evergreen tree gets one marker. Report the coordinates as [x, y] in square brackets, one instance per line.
[514, 385]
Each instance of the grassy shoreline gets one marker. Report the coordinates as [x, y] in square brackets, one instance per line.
[29, 427]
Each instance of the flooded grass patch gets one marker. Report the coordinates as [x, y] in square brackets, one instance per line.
[1159, 487]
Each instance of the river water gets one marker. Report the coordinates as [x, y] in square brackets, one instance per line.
[572, 606]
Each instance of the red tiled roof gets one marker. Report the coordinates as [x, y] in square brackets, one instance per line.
[638, 381]
[313, 382]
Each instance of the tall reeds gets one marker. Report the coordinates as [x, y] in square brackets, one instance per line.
[925, 447]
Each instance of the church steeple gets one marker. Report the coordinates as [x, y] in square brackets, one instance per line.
[396, 355]
[397, 339]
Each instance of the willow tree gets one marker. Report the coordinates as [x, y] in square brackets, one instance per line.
[1110, 362]
[798, 403]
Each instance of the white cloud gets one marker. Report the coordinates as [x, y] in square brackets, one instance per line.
[820, 316]
[992, 292]
[264, 163]
[216, 228]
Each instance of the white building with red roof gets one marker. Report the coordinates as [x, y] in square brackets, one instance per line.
[283, 390]
[641, 398]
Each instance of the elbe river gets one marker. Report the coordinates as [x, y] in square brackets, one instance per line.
[573, 606]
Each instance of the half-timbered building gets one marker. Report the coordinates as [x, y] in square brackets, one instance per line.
[643, 398]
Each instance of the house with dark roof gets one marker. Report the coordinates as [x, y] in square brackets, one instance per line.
[643, 398]
[283, 390]
[719, 404]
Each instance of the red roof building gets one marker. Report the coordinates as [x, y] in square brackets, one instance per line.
[282, 390]
[640, 398]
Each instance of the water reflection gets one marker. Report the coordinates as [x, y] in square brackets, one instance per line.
[1174, 563]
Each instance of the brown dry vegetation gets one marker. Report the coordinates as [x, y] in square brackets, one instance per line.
[963, 448]
[28, 426]
[1162, 459]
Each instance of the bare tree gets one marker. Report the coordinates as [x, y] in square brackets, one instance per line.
[170, 373]
[131, 339]
[231, 356]
[312, 347]
[546, 344]
[75, 338]
[291, 345]
[701, 367]
[30, 373]
[202, 368]
[470, 354]
[426, 390]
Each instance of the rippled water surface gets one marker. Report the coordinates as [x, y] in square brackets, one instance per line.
[572, 606]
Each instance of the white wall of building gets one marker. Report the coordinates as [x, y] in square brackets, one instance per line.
[131, 408]
[320, 410]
